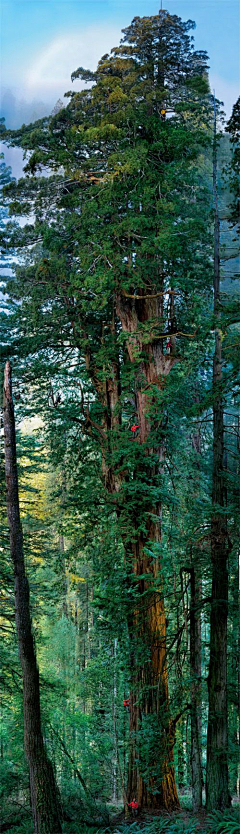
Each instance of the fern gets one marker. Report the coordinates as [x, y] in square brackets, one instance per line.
[160, 826]
[217, 823]
[224, 822]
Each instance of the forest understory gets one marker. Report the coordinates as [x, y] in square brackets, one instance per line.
[18, 820]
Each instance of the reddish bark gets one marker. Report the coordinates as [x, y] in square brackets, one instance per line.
[149, 696]
[147, 626]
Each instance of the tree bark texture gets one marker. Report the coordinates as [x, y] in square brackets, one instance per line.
[151, 776]
[44, 792]
[195, 654]
[217, 792]
[147, 625]
[195, 665]
[151, 772]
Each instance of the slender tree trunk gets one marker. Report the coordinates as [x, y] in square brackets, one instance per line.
[188, 750]
[195, 666]
[217, 792]
[180, 754]
[195, 656]
[44, 793]
[64, 573]
[117, 760]
[114, 790]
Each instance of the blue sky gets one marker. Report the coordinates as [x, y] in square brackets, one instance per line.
[42, 41]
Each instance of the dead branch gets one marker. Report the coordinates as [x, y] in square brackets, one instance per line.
[154, 295]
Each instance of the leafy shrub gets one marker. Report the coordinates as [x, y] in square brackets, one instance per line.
[26, 827]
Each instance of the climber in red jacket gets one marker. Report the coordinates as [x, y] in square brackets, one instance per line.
[134, 806]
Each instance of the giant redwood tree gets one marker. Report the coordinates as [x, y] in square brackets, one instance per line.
[119, 271]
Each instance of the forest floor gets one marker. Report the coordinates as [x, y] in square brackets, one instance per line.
[144, 819]
[183, 821]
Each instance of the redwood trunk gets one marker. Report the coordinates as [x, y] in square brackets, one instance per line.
[44, 792]
[147, 625]
[217, 792]
[151, 776]
[151, 772]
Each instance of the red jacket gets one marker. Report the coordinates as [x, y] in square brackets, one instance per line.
[133, 805]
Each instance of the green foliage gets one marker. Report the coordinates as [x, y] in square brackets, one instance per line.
[224, 822]
[25, 827]
[233, 128]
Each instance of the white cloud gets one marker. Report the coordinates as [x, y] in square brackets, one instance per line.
[50, 73]
[48, 76]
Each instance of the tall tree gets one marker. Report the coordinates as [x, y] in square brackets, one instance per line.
[233, 128]
[121, 251]
[195, 662]
[217, 791]
[44, 791]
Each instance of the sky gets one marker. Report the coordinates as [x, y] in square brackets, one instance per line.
[43, 41]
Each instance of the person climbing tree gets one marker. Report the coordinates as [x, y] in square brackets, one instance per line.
[134, 807]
